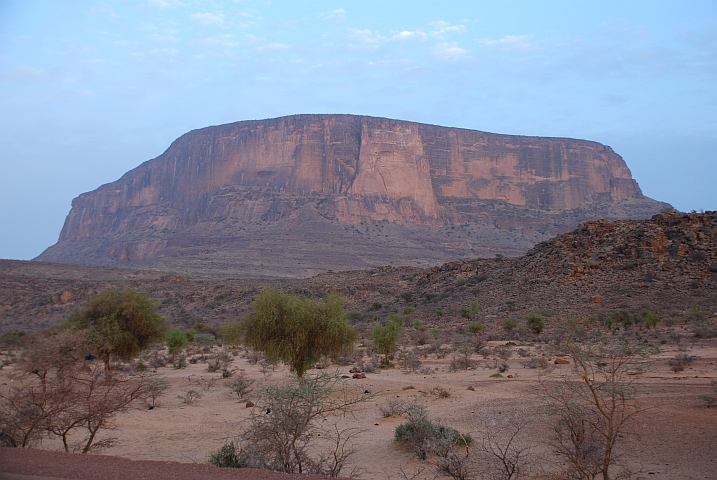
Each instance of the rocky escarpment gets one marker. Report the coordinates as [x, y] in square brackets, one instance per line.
[312, 186]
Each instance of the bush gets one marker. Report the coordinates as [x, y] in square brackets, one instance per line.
[535, 322]
[241, 386]
[229, 456]
[475, 327]
[231, 333]
[424, 437]
[465, 312]
[409, 361]
[13, 338]
[510, 323]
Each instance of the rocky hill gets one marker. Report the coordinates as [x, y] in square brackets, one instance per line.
[666, 263]
[299, 195]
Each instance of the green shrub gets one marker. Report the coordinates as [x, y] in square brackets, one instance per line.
[375, 306]
[231, 333]
[465, 312]
[510, 323]
[535, 322]
[475, 327]
[228, 456]
[11, 338]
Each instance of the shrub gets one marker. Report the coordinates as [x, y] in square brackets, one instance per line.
[229, 456]
[695, 314]
[440, 392]
[535, 322]
[475, 327]
[510, 323]
[231, 333]
[13, 338]
[422, 436]
[386, 336]
[465, 312]
[409, 361]
[240, 385]
[190, 397]
[204, 339]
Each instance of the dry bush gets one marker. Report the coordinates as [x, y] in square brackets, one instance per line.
[221, 359]
[157, 387]
[440, 392]
[680, 361]
[205, 384]
[409, 361]
[594, 405]
[240, 385]
[59, 393]
[288, 424]
[190, 397]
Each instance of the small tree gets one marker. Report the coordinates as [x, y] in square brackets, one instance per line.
[385, 337]
[119, 323]
[287, 425]
[231, 333]
[595, 408]
[176, 341]
[475, 328]
[297, 330]
[535, 322]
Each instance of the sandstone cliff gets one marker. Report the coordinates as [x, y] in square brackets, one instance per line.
[391, 188]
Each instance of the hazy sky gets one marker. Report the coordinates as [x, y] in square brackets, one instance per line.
[89, 90]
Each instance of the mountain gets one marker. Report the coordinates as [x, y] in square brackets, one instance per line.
[299, 195]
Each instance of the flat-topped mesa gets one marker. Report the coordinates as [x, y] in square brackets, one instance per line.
[297, 195]
[369, 168]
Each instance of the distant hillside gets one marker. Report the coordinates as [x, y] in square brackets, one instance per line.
[300, 195]
[668, 262]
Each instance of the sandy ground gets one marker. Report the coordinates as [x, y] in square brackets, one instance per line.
[676, 436]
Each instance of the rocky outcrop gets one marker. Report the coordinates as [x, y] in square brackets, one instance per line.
[214, 185]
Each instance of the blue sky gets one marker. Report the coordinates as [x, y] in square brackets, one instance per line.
[89, 90]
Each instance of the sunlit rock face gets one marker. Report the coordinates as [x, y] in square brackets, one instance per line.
[218, 185]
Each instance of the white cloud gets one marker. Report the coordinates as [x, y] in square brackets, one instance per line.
[335, 16]
[209, 19]
[442, 29]
[364, 39]
[510, 42]
[449, 51]
[407, 35]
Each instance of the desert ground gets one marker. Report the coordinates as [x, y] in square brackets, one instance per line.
[673, 438]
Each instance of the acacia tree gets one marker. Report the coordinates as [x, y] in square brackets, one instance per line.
[59, 393]
[385, 337]
[176, 341]
[297, 330]
[595, 407]
[119, 323]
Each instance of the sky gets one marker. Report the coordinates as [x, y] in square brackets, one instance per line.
[91, 89]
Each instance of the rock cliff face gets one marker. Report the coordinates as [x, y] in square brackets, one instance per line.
[345, 178]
